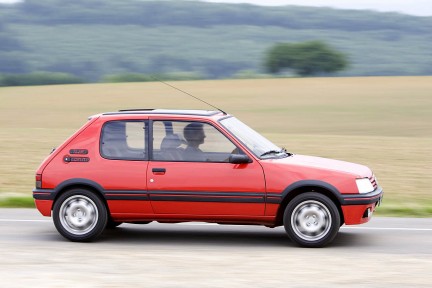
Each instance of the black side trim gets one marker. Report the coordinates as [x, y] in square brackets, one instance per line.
[43, 194]
[206, 193]
[126, 195]
[202, 196]
[207, 199]
[180, 196]
[274, 198]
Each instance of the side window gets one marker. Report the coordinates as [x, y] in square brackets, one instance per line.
[123, 140]
[190, 142]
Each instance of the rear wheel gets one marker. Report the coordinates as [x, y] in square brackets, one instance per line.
[311, 220]
[80, 215]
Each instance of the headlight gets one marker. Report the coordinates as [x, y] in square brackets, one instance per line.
[364, 185]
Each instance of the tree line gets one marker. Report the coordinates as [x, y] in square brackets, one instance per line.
[199, 14]
[104, 40]
[304, 59]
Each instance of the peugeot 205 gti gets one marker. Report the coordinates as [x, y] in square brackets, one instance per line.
[170, 166]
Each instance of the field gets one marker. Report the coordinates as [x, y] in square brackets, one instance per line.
[382, 122]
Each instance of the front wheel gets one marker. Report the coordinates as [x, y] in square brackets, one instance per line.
[79, 215]
[311, 220]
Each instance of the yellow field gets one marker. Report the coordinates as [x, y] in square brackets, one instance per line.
[382, 122]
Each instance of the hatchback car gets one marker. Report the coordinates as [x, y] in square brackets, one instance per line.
[170, 166]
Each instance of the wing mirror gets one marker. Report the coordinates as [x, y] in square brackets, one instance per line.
[239, 159]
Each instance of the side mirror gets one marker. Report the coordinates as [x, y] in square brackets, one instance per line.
[239, 159]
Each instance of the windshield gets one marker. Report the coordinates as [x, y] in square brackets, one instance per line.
[256, 143]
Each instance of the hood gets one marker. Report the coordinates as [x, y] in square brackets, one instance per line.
[328, 164]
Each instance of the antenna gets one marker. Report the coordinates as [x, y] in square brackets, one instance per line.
[163, 82]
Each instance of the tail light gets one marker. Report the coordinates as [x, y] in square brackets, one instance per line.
[38, 181]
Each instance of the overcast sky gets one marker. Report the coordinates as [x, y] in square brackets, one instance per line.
[413, 7]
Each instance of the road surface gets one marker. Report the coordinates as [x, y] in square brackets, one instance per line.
[387, 252]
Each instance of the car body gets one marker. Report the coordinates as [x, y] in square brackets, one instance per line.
[138, 166]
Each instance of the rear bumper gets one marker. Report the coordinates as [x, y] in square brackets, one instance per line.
[44, 200]
[358, 208]
[44, 206]
[44, 194]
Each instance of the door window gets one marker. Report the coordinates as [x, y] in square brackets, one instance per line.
[190, 142]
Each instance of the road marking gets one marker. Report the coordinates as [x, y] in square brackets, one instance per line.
[343, 227]
[22, 220]
[213, 224]
[389, 228]
[200, 223]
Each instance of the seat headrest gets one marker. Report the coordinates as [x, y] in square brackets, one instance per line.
[171, 141]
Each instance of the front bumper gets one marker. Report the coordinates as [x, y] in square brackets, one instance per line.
[367, 198]
[358, 208]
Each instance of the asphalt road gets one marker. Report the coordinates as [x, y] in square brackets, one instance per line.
[387, 252]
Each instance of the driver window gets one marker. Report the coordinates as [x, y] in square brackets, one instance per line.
[190, 142]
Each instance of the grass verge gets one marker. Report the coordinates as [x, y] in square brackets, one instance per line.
[17, 202]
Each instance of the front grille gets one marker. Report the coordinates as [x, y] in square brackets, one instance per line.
[373, 180]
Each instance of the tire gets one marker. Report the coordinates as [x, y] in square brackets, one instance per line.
[111, 224]
[311, 220]
[80, 215]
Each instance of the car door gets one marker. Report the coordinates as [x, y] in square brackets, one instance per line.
[122, 167]
[205, 183]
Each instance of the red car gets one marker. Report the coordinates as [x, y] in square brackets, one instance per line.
[138, 166]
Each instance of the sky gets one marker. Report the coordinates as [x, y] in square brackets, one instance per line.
[413, 7]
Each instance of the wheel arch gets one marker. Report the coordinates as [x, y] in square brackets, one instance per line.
[303, 186]
[80, 183]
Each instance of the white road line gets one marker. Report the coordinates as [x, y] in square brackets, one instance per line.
[208, 224]
[22, 220]
[343, 227]
[389, 228]
[199, 223]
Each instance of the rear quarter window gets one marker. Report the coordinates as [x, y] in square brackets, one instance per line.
[124, 140]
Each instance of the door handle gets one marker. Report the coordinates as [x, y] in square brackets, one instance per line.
[159, 171]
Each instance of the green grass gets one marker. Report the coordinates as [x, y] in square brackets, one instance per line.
[401, 210]
[17, 202]
[382, 122]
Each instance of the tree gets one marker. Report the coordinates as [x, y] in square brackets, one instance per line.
[306, 58]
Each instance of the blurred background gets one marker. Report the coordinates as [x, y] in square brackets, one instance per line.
[349, 80]
[102, 40]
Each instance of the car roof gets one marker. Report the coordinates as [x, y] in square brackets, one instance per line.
[161, 113]
[165, 111]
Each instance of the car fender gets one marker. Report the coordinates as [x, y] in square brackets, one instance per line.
[298, 187]
[74, 182]
[311, 183]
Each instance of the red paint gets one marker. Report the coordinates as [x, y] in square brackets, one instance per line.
[249, 193]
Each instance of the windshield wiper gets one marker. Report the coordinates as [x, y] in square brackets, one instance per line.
[283, 150]
[270, 152]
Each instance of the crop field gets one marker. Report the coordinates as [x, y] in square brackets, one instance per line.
[382, 122]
